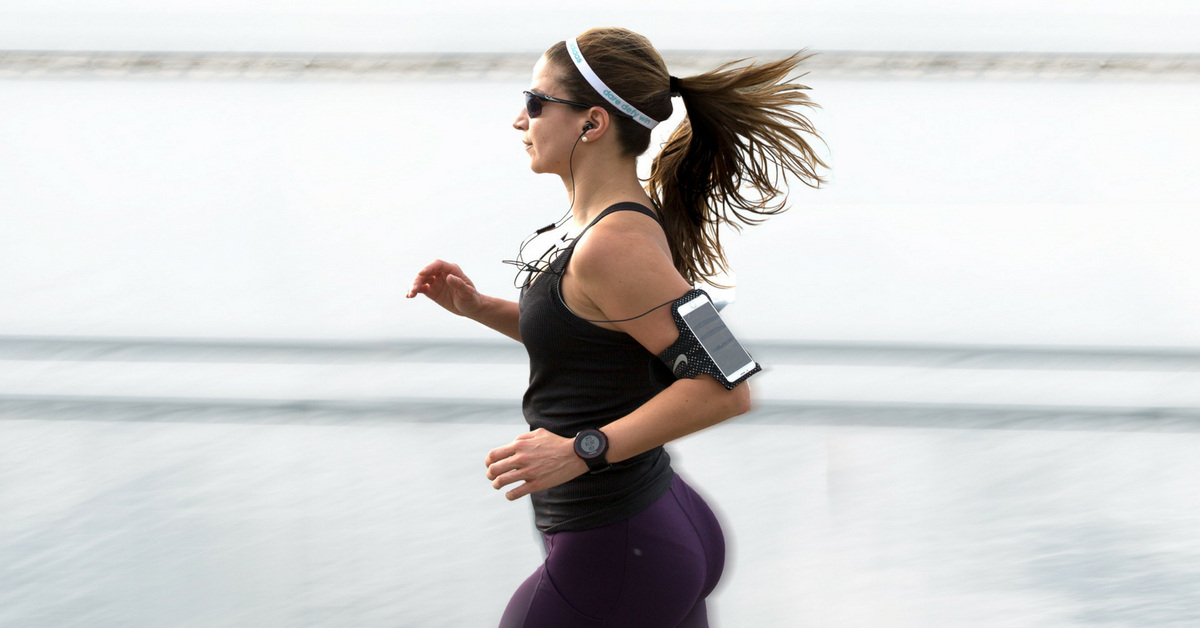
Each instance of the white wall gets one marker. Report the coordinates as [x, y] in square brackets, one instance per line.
[998, 211]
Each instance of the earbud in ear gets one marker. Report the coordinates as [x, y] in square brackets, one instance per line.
[587, 126]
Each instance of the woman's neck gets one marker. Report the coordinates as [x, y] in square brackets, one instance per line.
[599, 188]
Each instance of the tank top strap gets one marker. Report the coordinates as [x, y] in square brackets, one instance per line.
[559, 263]
[619, 207]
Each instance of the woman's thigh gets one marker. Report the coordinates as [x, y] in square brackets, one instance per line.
[651, 570]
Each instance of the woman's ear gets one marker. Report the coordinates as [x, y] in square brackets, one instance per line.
[597, 123]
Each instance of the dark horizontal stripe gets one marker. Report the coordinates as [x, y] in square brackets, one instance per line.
[1014, 357]
[1026, 357]
[259, 350]
[267, 411]
[817, 413]
[976, 416]
[509, 66]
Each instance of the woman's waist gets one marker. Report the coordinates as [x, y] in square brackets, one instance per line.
[566, 410]
[624, 482]
[567, 422]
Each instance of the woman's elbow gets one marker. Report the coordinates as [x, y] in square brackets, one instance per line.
[725, 403]
[740, 399]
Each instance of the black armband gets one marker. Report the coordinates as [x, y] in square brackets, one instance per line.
[705, 345]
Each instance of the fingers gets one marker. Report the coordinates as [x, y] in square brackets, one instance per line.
[499, 453]
[425, 276]
[438, 267]
[417, 289]
[419, 286]
[497, 469]
[457, 284]
[528, 484]
[530, 459]
[522, 490]
[507, 471]
[450, 273]
[510, 477]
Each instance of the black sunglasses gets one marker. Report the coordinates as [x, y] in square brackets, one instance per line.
[533, 103]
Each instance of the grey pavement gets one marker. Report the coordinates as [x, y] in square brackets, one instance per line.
[235, 517]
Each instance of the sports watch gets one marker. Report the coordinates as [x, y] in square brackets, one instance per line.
[592, 445]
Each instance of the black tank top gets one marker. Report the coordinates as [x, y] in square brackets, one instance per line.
[585, 376]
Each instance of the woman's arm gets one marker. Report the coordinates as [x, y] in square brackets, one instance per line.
[620, 271]
[685, 407]
[447, 286]
[543, 459]
[499, 314]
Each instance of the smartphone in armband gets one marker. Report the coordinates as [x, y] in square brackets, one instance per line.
[705, 344]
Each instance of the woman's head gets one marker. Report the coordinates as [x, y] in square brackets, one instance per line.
[629, 66]
[724, 164]
[553, 122]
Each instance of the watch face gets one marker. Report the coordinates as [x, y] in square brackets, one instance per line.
[589, 445]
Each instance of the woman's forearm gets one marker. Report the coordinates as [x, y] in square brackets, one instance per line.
[543, 459]
[687, 406]
[501, 315]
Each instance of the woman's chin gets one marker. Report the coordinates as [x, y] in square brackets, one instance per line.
[539, 166]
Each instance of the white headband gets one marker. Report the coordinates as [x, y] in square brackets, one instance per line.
[603, 90]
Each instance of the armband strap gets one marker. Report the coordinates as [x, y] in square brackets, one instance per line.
[687, 358]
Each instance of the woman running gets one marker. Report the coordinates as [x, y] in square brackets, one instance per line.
[629, 544]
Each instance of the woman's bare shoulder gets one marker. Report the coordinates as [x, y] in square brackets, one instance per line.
[624, 267]
[621, 242]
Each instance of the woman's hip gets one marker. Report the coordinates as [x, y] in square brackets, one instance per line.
[663, 559]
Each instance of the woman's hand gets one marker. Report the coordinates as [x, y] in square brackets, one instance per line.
[446, 284]
[542, 459]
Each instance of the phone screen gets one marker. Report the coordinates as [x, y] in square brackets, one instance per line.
[717, 340]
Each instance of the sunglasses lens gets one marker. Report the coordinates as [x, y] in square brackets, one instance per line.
[533, 106]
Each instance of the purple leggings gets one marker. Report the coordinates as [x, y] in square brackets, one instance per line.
[652, 570]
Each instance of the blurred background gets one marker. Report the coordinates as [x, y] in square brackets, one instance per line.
[982, 398]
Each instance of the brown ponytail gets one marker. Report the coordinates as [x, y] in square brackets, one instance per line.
[741, 133]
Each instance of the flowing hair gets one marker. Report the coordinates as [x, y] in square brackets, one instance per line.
[728, 161]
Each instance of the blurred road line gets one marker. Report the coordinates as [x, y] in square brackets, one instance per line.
[499, 351]
[508, 412]
[482, 381]
[262, 350]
